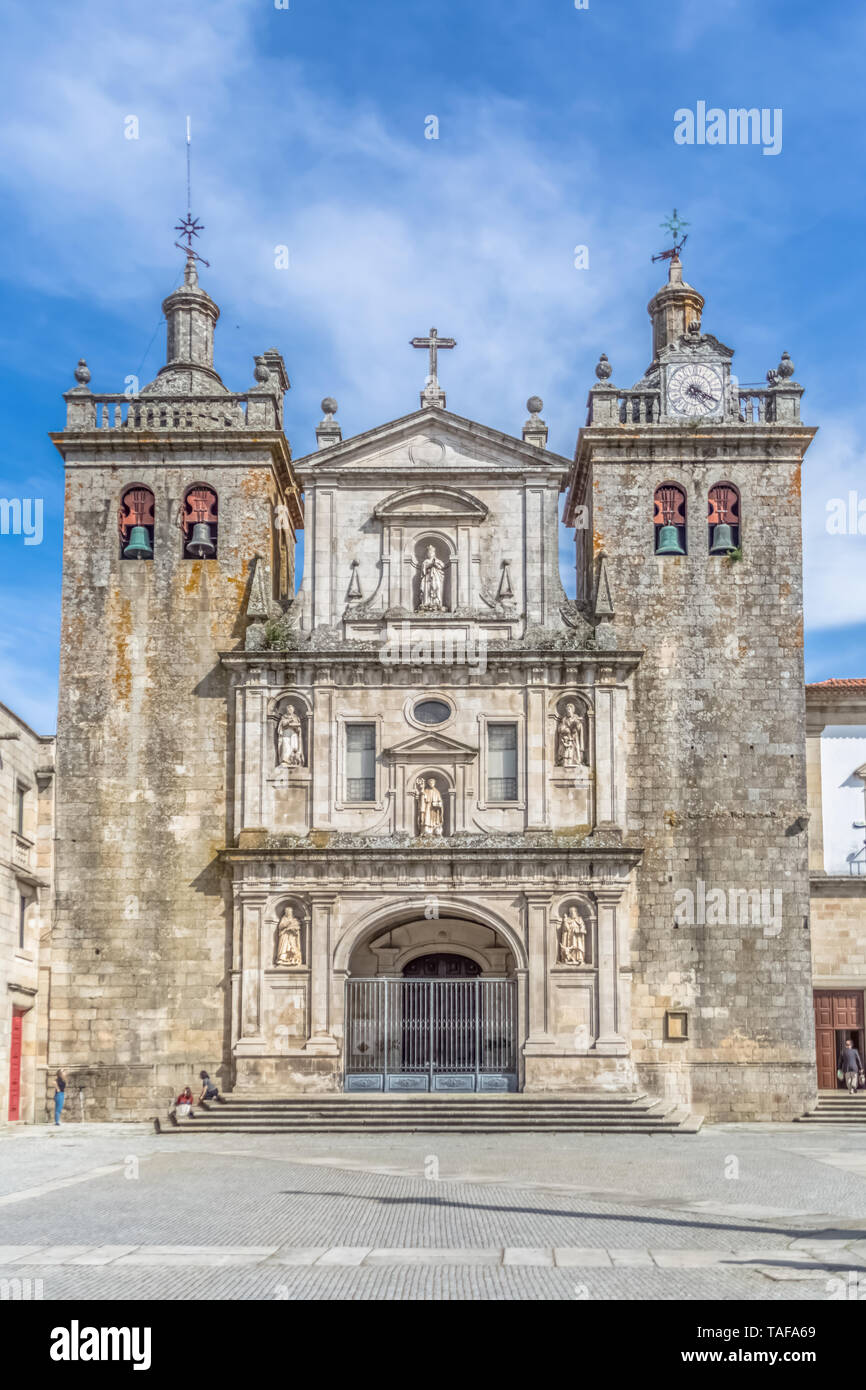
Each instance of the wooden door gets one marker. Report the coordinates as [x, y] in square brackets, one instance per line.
[835, 1010]
[15, 1065]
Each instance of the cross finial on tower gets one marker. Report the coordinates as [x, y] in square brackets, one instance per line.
[189, 226]
[433, 393]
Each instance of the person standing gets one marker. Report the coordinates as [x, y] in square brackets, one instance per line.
[59, 1094]
[851, 1066]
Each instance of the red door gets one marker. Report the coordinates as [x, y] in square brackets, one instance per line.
[15, 1065]
[838, 1013]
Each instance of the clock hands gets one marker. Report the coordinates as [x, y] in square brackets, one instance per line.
[698, 394]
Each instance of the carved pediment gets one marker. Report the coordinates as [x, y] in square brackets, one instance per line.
[430, 747]
[422, 505]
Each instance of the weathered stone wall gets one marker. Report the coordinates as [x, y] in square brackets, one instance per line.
[141, 956]
[717, 766]
[839, 933]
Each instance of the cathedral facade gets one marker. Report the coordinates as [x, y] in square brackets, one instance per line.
[429, 824]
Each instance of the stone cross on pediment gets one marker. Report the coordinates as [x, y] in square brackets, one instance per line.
[432, 393]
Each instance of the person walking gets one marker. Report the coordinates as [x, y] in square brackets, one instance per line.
[850, 1066]
[59, 1094]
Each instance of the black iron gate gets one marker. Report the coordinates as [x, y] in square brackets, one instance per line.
[431, 1035]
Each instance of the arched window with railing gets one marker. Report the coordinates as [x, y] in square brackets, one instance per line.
[723, 519]
[200, 523]
[135, 523]
[669, 519]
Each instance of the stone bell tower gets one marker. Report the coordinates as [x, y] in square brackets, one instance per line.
[171, 494]
[686, 490]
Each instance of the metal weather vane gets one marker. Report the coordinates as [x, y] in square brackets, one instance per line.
[673, 224]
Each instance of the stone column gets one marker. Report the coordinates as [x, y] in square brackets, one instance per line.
[538, 950]
[533, 550]
[609, 728]
[610, 1041]
[251, 749]
[815, 725]
[322, 559]
[251, 1042]
[321, 1041]
[536, 764]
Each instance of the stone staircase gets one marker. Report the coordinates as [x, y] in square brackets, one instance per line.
[468, 1114]
[837, 1109]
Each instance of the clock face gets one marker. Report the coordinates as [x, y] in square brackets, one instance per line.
[694, 389]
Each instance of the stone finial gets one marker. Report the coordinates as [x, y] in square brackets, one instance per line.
[603, 369]
[329, 431]
[535, 429]
[785, 400]
[261, 372]
[82, 372]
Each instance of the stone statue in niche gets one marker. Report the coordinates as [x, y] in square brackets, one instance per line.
[288, 950]
[432, 581]
[572, 939]
[569, 738]
[431, 809]
[290, 739]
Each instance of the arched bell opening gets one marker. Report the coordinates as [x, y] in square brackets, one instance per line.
[136, 524]
[199, 523]
[723, 519]
[669, 520]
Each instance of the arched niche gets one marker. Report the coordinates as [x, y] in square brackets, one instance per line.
[289, 718]
[427, 807]
[575, 923]
[571, 715]
[432, 556]
[286, 923]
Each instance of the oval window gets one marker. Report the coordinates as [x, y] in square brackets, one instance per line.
[432, 712]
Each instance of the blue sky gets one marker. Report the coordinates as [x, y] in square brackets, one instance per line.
[555, 129]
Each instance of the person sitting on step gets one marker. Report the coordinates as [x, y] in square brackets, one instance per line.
[208, 1092]
[182, 1106]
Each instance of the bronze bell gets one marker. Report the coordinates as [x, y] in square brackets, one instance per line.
[669, 541]
[139, 547]
[723, 539]
[201, 545]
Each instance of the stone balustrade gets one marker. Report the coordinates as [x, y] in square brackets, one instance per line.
[253, 410]
[779, 404]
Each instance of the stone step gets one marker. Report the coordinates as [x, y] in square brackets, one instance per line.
[840, 1109]
[370, 1126]
[244, 1097]
[468, 1113]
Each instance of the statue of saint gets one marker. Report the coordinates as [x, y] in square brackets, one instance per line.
[430, 807]
[288, 940]
[569, 738]
[572, 939]
[290, 740]
[432, 580]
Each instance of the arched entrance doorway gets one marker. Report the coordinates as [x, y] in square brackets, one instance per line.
[440, 1020]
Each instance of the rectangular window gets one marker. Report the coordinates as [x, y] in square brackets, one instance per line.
[360, 762]
[501, 762]
[22, 921]
[21, 808]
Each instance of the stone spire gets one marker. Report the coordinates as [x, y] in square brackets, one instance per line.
[676, 306]
[190, 316]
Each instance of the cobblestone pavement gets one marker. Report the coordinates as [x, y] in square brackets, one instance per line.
[114, 1211]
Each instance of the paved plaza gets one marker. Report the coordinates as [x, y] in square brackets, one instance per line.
[114, 1211]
